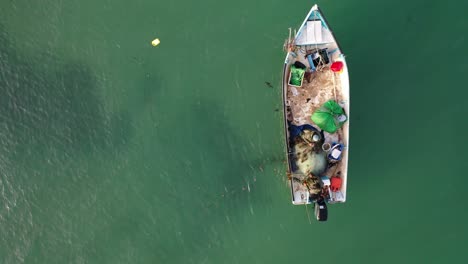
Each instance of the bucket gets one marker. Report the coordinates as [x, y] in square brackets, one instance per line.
[337, 66]
[326, 147]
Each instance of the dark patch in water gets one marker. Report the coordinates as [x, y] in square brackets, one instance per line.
[47, 103]
[269, 84]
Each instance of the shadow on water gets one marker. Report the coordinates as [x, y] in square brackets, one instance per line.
[215, 196]
[218, 154]
[186, 205]
[50, 105]
[47, 102]
[51, 118]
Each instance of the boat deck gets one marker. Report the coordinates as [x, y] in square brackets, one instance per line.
[301, 102]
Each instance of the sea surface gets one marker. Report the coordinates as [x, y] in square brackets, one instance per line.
[115, 151]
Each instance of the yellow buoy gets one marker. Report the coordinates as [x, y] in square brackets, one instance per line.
[155, 42]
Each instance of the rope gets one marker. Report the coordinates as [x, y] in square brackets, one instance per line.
[334, 86]
[307, 212]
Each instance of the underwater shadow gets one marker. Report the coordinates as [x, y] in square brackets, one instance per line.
[210, 157]
[48, 103]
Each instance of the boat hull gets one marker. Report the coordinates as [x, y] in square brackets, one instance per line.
[311, 166]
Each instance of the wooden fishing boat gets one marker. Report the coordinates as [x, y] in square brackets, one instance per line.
[316, 105]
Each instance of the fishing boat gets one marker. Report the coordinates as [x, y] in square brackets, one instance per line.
[316, 105]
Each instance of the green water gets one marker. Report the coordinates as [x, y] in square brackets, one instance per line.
[114, 151]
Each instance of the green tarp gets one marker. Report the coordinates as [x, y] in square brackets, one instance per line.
[297, 74]
[329, 117]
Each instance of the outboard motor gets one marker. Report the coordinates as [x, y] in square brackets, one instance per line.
[321, 211]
